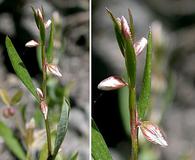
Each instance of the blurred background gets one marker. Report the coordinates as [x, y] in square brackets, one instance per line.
[173, 80]
[71, 19]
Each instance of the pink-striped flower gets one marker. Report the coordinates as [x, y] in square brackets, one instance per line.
[111, 83]
[140, 45]
[52, 68]
[44, 108]
[153, 133]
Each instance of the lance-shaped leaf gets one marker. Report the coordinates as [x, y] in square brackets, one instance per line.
[17, 97]
[99, 148]
[118, 32]
[11, 142]
[74, 156]
[62, 127]
[132, 30]
[20, 68]
[130, 61]
[50, 45]
[144, 98]
[5, 97]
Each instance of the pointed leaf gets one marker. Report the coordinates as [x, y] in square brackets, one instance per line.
[99, 148]
[118, 32]
[42, 30]
[50, 46]
[17, 97]
[20, 68]
[11, 142]
[130, 61]
[5, 97]
[62, 127]
[74, 156]
[144, 98]
[132, 30]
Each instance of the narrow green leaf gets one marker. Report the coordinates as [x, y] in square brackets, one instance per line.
[62, 127]
[35, 17]
[5, 97]
[130, 61]
[20, 68]
[132, 30]
[50, 46]
[118, 32]
[42, 30]
[100, 150]
[17, 97]
[11, 142]
[43, 152]
[144, 98]
[74, 156]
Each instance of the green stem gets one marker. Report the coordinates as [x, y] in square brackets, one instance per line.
[133, 123]
[44, 89]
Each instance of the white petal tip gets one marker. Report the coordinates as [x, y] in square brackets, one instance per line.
[31, 44]
[111, 83]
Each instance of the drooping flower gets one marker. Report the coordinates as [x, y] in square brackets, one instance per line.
[31, 43]
[44, 108]
[153, 133]
[111, 83]
[52, 68]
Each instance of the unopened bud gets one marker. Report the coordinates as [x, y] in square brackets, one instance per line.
[39, 13]
[53, 69]
[125, 27]
[40, 93]
[44, 108]
[153, 133]
[9, 112]
[111, 83]
[31, 44]
[118, 20]
[47, 24]
[140, 45]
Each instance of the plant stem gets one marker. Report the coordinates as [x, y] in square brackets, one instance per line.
[44, 89]
[133, 123]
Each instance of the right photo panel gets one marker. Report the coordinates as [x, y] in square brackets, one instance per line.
[143, 83]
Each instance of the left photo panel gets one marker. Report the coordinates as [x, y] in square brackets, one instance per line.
[44, 80]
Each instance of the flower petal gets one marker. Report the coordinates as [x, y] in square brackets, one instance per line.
[153, 133]
[140, 45]
[53, 69]
[31, 43]
[47, 24]
[125, 27]
[111, 83]
[44, 108]
[40, 93]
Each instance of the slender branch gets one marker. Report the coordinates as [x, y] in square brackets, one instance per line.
[44, 89]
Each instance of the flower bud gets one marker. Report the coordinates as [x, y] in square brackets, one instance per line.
[44, 108]
[39, 13]
[47, 24]
[140, 45]
[125, 27]
[40, 93]
[111, 83]
[153, 133]
[9, 112]
[31, 44]
[53, 69]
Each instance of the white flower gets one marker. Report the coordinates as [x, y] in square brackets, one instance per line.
[47, 24]
[40, 93]
[153, 133]
[140, 45]
[52, 68]
[111, 83]
[44, 108]
[125, 27]
[31, 43]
